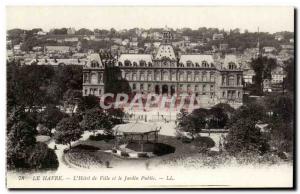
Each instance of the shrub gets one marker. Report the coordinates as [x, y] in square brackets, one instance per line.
[42, 157]
[100, 137]
[142, 155]
[43, 130]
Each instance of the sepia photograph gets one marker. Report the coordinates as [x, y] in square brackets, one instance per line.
[150, 97]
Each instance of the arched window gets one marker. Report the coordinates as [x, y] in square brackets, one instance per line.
[197, 64]
[120, 64]
[94, 64]
[189, 64]
[134, 64]
[127, 63]
[149, 64]
[232, 65]
[142, 63]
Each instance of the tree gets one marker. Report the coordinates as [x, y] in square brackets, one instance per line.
[253, 111]
[193, 122]
[88, 102]
[50, 117]
[97, 119]
[218, 118]
[244, 137]
[20, 140]
[289, 81]
[42, 157]
[262, 67]
[116, 115]
[67, 131]
[71, 98]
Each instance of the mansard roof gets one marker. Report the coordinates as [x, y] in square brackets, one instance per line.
[165, 51]
[94, 57]
[135, 58]
[196, 58]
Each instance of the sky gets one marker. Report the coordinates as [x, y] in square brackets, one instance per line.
[268, 19]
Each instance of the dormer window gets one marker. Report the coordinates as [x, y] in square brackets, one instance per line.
[231, 65]
[94, 64]
[142, 63]
[134, 64]
[205, 64]
[127, 63]
[197, 64]
[120, 64]
[189, 64]
[149, 64]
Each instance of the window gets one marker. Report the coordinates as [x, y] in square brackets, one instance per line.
[223, 80]
[134, 77]
[99, 77]
[134, 64]
[157, 76]
[149, 76]
[197, 76]
[173, 76]
[143, 63]
[204, 77]
[189, 64]
[85, 91]
[149, 87]
[204, 64]
[165, 76]
[197, 65]
[204, 89]
[211, 87]
[189, 76]
[133, 86]
[94, 78]
[232, 65]
[127, 63]
[212, 77]
[120, 64]
[142, 76]
[231, 80]
[181, 76]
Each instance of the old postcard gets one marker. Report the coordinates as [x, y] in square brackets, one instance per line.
[150, 97]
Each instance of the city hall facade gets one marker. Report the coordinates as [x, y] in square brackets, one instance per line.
[212, 79]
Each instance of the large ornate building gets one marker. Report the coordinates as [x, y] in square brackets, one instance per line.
[213, 79]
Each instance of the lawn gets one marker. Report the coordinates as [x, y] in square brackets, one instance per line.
[89, 152]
